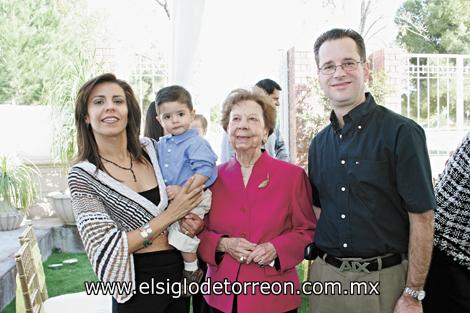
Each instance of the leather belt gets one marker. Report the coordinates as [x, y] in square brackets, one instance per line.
[367, 265]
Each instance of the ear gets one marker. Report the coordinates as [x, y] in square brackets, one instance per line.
[87, 119]
[158, 119]
[193, 114]
[366, 71]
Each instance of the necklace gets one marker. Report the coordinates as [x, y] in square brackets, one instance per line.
[122, 167]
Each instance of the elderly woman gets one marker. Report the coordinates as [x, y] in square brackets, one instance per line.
[119, 199]
[261, 217]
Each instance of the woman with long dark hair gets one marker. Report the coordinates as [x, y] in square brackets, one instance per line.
[119, 199]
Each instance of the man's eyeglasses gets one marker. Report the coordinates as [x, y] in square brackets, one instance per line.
[330, 69]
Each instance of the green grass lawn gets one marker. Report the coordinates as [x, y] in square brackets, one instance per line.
[303, 275]
[70, 278]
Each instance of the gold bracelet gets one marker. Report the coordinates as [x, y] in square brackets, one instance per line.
[145, 232]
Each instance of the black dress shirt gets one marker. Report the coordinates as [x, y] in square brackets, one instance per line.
[366, 177]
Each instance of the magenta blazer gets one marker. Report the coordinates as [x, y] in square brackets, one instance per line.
[276, 207]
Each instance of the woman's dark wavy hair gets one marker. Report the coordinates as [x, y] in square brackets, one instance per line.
[153, 129]
[87, 148]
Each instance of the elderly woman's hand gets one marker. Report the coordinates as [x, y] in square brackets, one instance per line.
[238, 248]
[191, 225]
[263, 254]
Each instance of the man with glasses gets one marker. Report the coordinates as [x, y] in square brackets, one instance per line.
[371, 180]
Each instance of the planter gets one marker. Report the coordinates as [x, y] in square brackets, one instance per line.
[62, 206]
[11, 220]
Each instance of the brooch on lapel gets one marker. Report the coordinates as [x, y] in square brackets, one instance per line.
[264, 183]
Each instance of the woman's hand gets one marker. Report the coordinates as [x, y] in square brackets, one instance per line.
[185, 200]
[238, 248]
[172, 191]
[263, 254]
[191, 225]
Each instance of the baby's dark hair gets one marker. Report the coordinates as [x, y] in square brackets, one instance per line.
[173, 93]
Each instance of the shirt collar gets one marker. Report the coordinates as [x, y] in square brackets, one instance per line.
[357, 114]
[190, 133]
[260, 162]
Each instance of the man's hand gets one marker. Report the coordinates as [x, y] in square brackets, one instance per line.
[407, 304]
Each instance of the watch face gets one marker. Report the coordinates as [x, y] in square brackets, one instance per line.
[420, 295]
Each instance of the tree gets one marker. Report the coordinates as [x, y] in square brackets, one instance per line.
[372, 29]
[434, 26]
[313, 110]
[164, 5]
[43, 44]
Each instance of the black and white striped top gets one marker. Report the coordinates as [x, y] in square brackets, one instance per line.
[105, 210]
[452, 234]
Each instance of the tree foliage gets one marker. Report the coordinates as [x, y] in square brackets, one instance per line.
[43, 45]
[434, 26]
[313, 110]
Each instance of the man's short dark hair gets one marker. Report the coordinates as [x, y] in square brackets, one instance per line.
[339, 33]
[173, 93]
[268, 85]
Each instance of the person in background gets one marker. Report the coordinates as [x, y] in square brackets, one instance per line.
[448, 284]
[200, 123]
[120, 201]
[184, 154]
[258, 226]
[199, 304]
[153, 129]
[275, 144]
[371, 178]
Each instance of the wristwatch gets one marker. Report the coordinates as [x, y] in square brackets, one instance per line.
[416, 294]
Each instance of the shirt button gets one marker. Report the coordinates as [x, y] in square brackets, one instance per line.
[359, 127]
[340, 136]
[169, 150]
[343, 189]
[357, 162]
[166, 165]
[345, 245]
[343, 216]
[165, 180]
[343, 162]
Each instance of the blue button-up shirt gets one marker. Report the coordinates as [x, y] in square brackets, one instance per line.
[184, 155]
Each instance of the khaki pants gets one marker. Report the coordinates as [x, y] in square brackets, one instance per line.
[389, 283]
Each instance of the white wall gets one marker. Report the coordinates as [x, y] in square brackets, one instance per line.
[26, 131]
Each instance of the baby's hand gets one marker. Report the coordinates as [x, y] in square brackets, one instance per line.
[172, 191]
